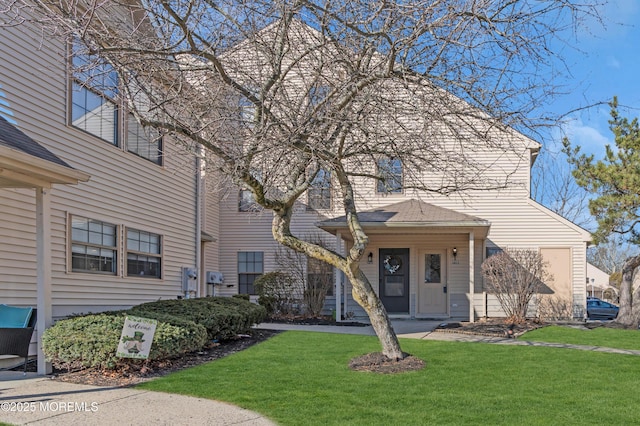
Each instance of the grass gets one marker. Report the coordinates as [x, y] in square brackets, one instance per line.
[601, 336]
[302, 378]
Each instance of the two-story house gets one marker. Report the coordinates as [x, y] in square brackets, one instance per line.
[425, 250]
[121, 215]
[96, 213]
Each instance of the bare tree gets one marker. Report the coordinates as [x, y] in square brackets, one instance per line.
[610, 254]
[313, 277]
[515, 276]
[278, 91]
[553, 186]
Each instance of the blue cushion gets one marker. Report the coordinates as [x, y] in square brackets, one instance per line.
[14, 317]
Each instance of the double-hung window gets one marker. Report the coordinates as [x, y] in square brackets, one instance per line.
[319, 193]
[247, 202]
[250, 267]
[389, 172]
[97, 108]
[94, 108]
[93, 246]
[144, 257]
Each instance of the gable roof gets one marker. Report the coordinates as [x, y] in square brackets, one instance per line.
[24, 163]
[410, 214]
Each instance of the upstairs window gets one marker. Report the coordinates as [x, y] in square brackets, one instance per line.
[144, 142]
[143, 254]
[318, 93]
[94, 92]
[96, 108]
[389, 172]
[247, 202]
[93, 246]
[319, 193]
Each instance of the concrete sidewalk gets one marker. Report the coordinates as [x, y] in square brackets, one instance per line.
[39, 400]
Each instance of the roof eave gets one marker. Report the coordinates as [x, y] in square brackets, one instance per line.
[29, 171]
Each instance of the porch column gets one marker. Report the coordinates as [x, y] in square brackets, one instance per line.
[43, 267]
[472, 276]
[338, 278]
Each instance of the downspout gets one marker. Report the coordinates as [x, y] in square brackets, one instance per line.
[198, 242]
[338, 280]
[472, 277]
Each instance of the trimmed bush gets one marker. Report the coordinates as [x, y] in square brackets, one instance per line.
[276, 292]
[92, 340]
[223, 317]
[183, 326]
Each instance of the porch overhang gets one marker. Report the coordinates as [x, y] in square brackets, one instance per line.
[24, 163]
[410, 217]
[21, 170]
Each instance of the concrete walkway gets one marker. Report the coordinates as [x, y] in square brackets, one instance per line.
[40, 400]
[35, 400]
[425, 330]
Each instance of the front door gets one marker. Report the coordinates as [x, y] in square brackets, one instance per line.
[394, 280]
[432, 284]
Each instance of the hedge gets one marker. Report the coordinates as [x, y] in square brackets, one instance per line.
[183, 326]
[92, 340]
[223, 317]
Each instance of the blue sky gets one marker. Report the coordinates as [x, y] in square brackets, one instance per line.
[605, 62]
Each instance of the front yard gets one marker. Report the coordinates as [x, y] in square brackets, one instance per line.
[301, 378]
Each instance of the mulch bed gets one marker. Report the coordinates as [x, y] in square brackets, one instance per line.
[133, 374]
[315, 321]
[378, 363]
[490, 327]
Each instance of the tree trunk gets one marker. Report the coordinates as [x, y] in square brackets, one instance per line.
[626, 315]
[366, 297]
[362, 290]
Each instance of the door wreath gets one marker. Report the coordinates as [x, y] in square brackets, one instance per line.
[392, 264]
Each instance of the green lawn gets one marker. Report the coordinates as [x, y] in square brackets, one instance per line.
[601, 336]
[302, 378]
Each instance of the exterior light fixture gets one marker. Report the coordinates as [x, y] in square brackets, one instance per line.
[455, 255]
[370, 257]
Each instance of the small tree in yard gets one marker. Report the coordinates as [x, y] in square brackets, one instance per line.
[313, 278]
[276, 292]
[319, 282]
[280, 92]
[514, 276]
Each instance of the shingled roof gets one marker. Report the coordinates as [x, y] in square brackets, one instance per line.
[14, 138]
[24, 163]
[410, 213]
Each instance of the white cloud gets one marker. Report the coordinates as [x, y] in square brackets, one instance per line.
[587, 136]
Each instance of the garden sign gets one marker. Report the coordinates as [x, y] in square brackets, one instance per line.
[136, 338]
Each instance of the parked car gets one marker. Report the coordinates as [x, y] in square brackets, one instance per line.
[599, 309]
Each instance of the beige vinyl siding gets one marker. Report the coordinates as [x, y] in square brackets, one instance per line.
[251, 232]
[124, 189]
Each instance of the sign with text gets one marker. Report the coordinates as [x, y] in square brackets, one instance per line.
[136, 338]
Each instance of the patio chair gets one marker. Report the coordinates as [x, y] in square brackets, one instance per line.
[16, 328]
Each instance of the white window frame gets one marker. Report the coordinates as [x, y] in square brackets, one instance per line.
[148, 245]
[95, 251]
[123, 133]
